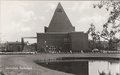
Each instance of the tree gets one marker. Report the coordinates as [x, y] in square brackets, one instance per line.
[95, 43]
[114, 19]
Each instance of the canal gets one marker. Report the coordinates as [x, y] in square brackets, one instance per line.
[84, 67]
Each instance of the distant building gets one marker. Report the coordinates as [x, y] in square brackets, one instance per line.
[13, 46]
[2, 47]
[30, 48]
[61, 35]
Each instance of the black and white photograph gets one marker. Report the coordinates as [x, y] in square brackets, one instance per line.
[59, 37]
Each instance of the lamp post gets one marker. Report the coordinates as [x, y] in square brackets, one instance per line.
[45, 42]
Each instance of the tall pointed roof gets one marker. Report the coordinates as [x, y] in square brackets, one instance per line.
[60, 22]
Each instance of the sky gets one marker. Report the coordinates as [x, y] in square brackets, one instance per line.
[26, 18]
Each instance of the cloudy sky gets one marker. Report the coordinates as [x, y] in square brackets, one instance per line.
[26, 18]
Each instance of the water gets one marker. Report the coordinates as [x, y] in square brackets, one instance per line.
[104, 66]
[85, 67]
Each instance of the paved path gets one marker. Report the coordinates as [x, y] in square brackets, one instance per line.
[24, 65]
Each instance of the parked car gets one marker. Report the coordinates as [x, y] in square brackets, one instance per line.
[95, 50]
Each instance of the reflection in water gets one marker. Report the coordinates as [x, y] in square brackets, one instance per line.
[85, 67]
[78, 68]
[97, 67]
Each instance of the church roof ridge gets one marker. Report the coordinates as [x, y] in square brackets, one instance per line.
[60, 21]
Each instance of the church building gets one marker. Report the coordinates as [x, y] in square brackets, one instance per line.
[60, 35]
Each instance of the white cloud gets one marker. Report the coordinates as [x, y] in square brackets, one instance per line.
[96, 18]
[52, 6]
[27, 15]
[75, 7]
[42, 18]
[26, 29]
